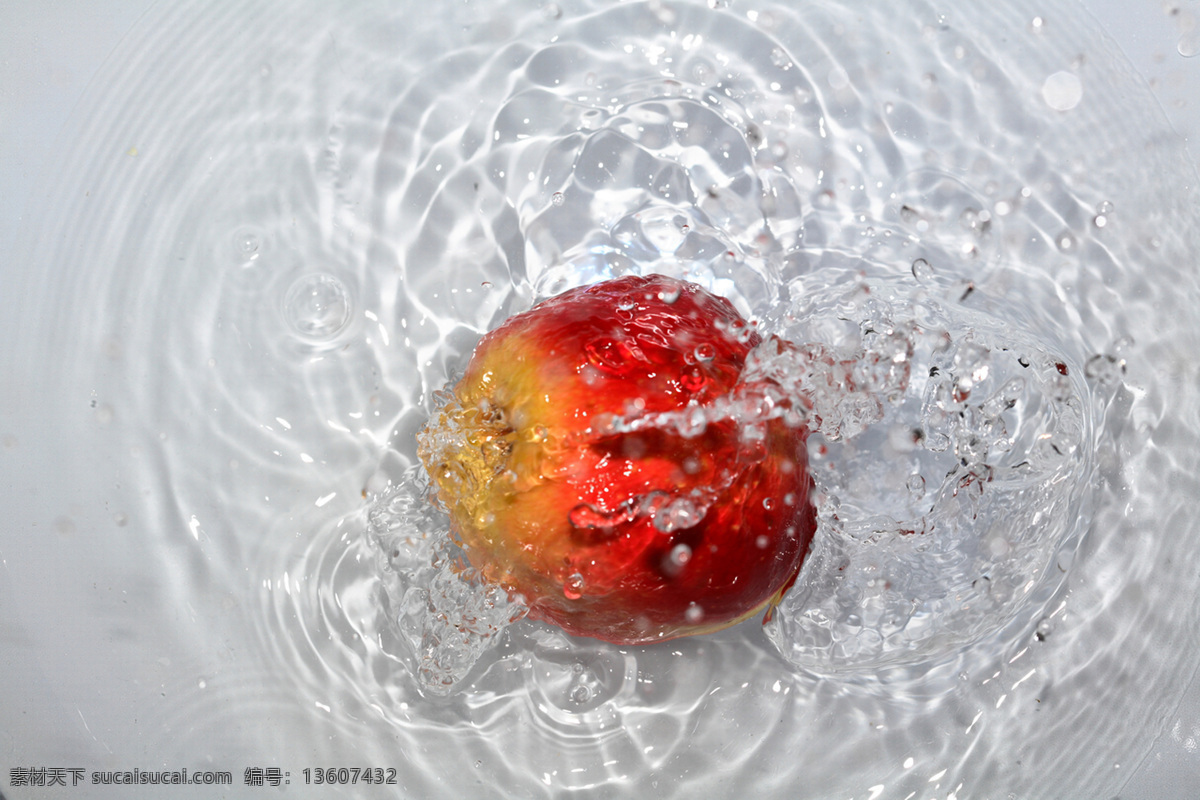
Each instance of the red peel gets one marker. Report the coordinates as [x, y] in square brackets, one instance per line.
[566, 461]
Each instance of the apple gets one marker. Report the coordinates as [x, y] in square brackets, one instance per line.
[592, 460]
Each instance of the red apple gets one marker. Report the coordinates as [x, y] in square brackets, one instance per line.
[588, 461]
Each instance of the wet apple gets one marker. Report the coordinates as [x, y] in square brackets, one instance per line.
[592, 459]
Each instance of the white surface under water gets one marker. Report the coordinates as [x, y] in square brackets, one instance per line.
[273, 231]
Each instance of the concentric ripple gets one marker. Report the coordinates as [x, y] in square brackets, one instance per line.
[279, 229]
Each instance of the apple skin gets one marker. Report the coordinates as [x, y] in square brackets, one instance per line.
[620, 530]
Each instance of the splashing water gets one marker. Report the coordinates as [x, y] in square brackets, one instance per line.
[446, 614]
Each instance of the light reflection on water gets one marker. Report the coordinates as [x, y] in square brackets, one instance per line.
[259, 266]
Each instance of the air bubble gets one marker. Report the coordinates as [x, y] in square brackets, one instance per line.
[317, 307]
[1037, 25]
[558, 199]
[693, 614]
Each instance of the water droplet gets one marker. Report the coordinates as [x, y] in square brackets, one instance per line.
[120, 519]
[552, 11]
[693, 614]
[573, 586]
[1044, 627]
[916, 487]
[1037, 25]
[557, 199]
[679, 556]
[1065, 241]
[669, 296]
[1099, 220]
[780, 58]
[1104, 368]
[838, 78]
[922, 271]
[247, 246]
[317, 306]
[586, 517]
[1062, 91]
[1189, 44]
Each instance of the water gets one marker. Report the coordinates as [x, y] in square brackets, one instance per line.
[254, 271]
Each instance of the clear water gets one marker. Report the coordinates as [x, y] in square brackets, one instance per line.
[278, 230]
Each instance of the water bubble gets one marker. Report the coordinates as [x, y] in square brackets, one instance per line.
[247, 245]
[1062, 91]
[1065, 241]
[317, 306]
[1037, 25]
[573, 586]
[679, 514]
[1043, 630]
[580, 694]
[557, 199]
